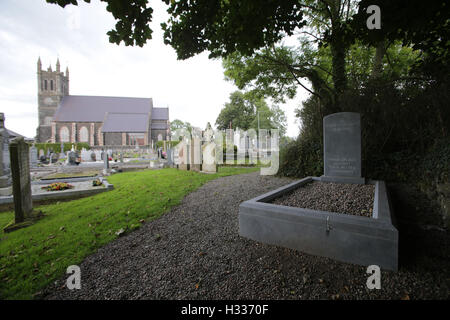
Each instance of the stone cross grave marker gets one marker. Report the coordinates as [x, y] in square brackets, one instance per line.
[20, 170]
[342, 148]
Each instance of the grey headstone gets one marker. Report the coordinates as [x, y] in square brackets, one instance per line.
[72, 158]
[20, 171]
[169, 157]
[342, 147]
[33, 156]
[106, 160]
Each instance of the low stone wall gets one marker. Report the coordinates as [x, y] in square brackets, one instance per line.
[343, 237]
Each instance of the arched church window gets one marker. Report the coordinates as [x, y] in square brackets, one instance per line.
[51, 85]
[45, 84]
[84, 134]
[64, 134]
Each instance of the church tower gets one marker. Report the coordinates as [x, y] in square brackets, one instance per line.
[52, 87]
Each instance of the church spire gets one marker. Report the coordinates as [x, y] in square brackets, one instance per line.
[67, 72]
[39, 64]
[57, 65]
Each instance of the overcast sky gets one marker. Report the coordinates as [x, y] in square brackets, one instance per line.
[193, 89]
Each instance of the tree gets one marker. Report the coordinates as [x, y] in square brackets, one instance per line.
[178, 124]
[242, 112]
[133, 18]
[424, 25]
[238, 113]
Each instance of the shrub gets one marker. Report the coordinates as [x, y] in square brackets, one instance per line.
[56, 147]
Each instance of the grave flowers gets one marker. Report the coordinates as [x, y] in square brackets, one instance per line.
[57, 186]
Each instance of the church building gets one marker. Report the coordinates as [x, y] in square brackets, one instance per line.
[96, 120]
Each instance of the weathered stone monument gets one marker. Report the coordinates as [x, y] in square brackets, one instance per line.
[169, 157]
[183, 155]
[176, 158]
[342, 148]
[72, 158]
[5, 169]
[106, 169]
[61, 153]
[209, 163]
[20, 171]
[33, 156]
[195, 154]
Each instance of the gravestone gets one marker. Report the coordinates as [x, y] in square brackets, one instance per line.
[342, 148]
[176, 158]
[183, 155]
[93, 156]
[41, 153]
[5, 169]
[106, 169]
[86, 155]
[209, 152]
[33, 156]
[54, 157]
[72, 158]
[98, 155]
[169, 157]
[20, 171]
[61, 153]
[195, 154]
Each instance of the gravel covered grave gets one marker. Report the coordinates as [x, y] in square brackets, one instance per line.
[356, 199]
[195, 252]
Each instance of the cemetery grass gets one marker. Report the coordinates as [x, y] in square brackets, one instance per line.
[33, 257]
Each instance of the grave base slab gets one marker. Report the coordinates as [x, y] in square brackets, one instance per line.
[343, 237]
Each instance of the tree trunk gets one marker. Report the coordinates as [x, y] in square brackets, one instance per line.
[378, 60]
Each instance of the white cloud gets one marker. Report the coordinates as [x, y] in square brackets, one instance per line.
[194, 89]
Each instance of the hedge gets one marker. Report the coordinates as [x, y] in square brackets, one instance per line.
[56, 147]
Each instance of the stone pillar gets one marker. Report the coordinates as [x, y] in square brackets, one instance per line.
[100, 136]
[92, 134]
[195, 154]
[73, 135]
[53, 138]
[20, 171]
[146, 139]
[5, 169]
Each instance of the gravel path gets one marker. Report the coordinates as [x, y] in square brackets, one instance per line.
[195, 252]
[346, 198]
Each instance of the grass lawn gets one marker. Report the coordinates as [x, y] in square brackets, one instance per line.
[32, 257]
